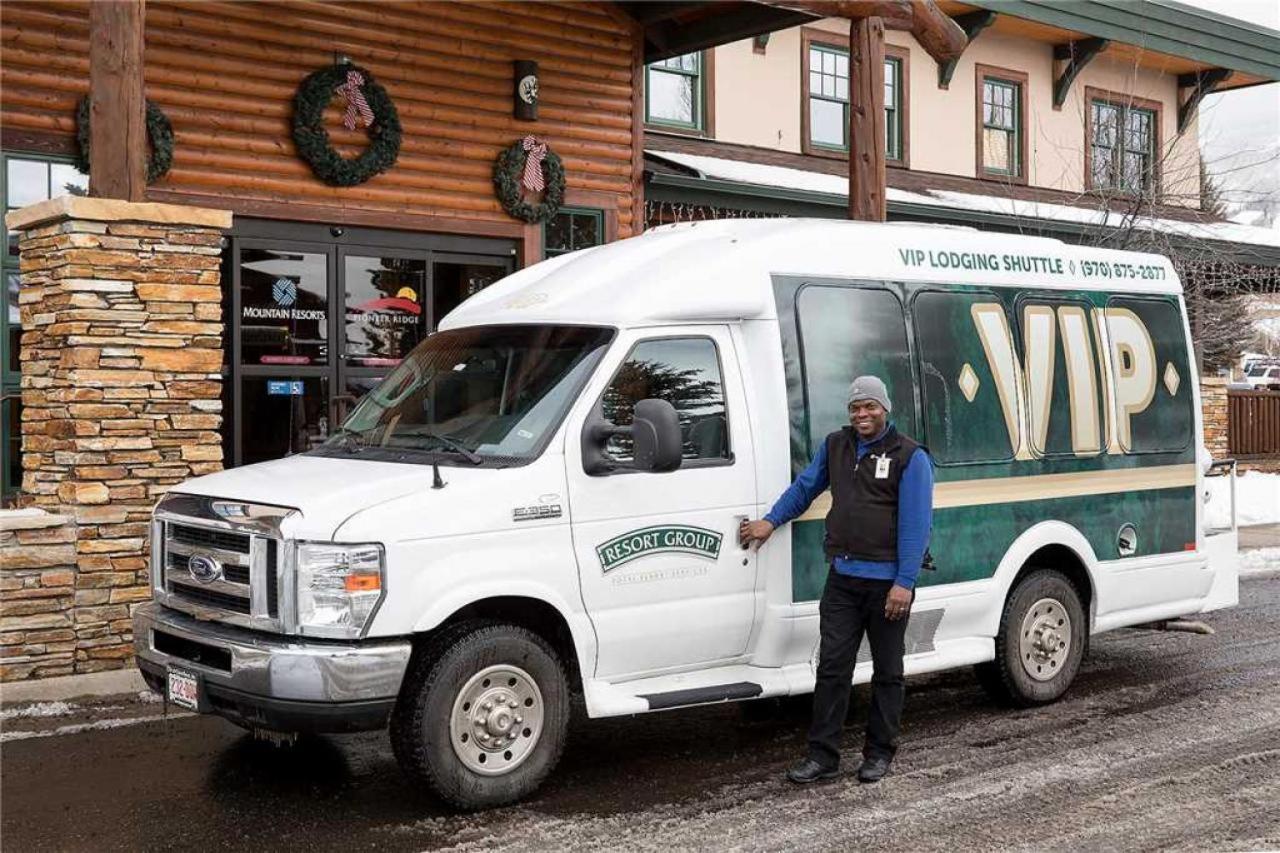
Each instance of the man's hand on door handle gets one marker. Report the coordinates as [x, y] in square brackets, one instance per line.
[754, 531]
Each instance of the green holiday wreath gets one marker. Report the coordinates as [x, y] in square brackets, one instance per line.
[367, 101]
[159, 131]
[508, 170]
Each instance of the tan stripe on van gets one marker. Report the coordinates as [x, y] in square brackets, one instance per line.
[1041, 487]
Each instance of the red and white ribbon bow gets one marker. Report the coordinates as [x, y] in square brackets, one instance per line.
[535, 151]
[356, 104]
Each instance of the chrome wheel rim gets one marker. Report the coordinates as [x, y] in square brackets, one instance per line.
[496, 720]
[1044, 641]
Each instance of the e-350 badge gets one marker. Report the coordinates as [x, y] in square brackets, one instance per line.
[662, 539]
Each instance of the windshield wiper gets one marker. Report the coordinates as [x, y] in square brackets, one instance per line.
[351, 439]
[454, 445]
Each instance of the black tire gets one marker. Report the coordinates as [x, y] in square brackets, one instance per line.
[420, 723]
[1006, 678]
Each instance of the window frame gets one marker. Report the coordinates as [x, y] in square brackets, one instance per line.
[704, 100]
[1111, 368]
[836, 43]
[597, 407]
[1124, 103]
[917, 366]
[11, 381]
[1018, 80]
[595, 212]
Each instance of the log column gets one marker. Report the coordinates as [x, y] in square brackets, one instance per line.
[117, 101]
[121, 386]
[866, 120]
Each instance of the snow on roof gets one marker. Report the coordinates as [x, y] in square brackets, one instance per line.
[785, 177]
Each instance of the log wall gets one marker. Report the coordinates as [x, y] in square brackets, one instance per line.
[226, 73]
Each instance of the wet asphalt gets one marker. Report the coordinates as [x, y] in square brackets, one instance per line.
[1166, 741]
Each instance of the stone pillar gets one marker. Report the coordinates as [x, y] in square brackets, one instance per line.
[121, 387]
[1213, 406]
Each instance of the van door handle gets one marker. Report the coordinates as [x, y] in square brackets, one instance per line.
[741, 519]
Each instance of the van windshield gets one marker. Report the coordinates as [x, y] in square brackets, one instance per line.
[481, 395]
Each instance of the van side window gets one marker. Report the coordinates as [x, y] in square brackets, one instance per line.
[846, 332]
[1062, 381]
[686, 373]
[968, 383]
[1151, 375]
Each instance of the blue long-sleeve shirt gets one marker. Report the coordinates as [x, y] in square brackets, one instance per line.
[915, 513]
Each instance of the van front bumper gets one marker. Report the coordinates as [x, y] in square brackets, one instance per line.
[273, 682]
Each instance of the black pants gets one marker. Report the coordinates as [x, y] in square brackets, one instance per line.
[849, 608]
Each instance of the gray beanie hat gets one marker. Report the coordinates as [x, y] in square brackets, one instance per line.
[870, 388]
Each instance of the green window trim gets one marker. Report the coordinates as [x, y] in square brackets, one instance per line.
[689, 65]
[1002, 114]
[553, 232]
[10, 376]
[893, 108]
[1121, 147]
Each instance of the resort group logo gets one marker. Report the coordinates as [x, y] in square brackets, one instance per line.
[284, 291]
[662, 539]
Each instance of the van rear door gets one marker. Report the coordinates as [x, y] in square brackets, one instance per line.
[663, 577]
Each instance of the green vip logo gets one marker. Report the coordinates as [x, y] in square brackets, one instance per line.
[663, 539]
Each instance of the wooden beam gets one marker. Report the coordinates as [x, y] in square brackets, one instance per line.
[972, 23]
[669, 38]
[1077, 55]
[117, 103]
[938, 34]
[1200, 83]
[866, 120]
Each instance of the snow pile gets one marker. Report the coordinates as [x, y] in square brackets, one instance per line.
[1259, 561]
[1257, 499]
[39, 709]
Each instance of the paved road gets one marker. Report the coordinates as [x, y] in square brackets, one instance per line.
[1167, 741]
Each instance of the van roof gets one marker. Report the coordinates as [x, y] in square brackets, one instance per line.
[722, 270]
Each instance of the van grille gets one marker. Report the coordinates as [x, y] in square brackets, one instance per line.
[205, 538]
[245, 587]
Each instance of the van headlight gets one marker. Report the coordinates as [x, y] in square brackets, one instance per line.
[339, 588]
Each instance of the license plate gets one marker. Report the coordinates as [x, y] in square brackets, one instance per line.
[184, 689]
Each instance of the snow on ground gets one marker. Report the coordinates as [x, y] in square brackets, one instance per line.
[1257, 499]
[38, 709]
[1259, 561]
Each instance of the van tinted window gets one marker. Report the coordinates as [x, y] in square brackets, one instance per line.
[1150, 375]
[967, 377]
[686, 373]
[1062, 382]
[846, 332]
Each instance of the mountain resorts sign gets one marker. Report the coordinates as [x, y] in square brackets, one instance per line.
[663, 539]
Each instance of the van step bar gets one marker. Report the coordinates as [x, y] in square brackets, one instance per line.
[702, 695]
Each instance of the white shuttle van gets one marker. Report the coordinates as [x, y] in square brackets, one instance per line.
[542, 500]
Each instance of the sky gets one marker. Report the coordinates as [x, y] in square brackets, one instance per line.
[1240, 131]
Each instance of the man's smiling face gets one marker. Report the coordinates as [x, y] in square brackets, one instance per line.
[868, 418]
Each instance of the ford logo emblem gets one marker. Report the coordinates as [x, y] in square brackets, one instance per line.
[204, 569]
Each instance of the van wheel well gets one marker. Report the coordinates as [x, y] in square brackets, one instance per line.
[531, 613]
[1068, 562]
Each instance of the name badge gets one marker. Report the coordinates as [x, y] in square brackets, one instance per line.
[882, 467]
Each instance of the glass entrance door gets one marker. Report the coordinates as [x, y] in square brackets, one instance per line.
[316, 326]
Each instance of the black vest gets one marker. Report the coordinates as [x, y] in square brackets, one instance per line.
[863, 521]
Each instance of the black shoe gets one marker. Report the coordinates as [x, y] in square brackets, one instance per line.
[811, 771]
[873, 769]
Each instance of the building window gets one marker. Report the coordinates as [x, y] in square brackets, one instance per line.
[1122, 146]
[572, 229]
[1002, 124]
[675, 92]
[26, 179]
[826, 81]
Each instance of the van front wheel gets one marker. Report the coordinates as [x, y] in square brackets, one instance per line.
[1040, 644]
[483, 716]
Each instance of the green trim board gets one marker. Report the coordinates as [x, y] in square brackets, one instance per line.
[1162, 26]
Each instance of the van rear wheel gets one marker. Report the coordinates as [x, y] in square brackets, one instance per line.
[483, 716]
[1040, 644]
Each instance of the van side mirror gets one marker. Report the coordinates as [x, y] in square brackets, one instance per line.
[657, 445]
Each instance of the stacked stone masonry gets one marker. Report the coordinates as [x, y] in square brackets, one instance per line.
[1213, 405]
[121, 389]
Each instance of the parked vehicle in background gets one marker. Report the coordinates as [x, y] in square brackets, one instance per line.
[1263, 376]
[543, 499]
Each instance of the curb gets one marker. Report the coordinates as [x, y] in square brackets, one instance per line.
[109, 683]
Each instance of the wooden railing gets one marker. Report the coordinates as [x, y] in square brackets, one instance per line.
[1253, 422]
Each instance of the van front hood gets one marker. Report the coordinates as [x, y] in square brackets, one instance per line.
[329, 491]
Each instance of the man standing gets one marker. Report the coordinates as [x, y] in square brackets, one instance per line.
[877, 531]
